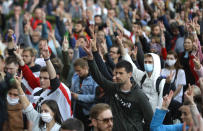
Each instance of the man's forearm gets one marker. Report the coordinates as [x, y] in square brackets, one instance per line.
[50, 69]
[97, 76]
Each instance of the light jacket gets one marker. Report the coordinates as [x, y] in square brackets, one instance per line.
[34, 116]
[86, 91]
[157, 120]
[149, 85]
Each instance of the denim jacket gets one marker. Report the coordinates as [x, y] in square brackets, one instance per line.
[86, 91]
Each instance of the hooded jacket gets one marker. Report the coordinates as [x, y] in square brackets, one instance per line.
[129, 108]
[149, 85]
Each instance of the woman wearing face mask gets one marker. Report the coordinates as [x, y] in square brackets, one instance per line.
[175, 80]
[15, 119]
[48, 120]
[174, 73]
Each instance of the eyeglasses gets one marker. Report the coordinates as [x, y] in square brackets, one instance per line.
[106, 120]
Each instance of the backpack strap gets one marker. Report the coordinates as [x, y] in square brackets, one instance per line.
[176, 75]
[158, 81]
[143, 79]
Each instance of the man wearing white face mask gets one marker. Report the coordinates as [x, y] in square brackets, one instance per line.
[147, 80]
[15, 120]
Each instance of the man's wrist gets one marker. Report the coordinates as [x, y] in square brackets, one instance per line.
[21, 63]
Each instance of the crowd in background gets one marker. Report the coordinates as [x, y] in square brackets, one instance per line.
[101, 65]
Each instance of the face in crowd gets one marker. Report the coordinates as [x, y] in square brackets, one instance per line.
[104, 121]
[148, 64]
[12, 97]
[114, 53]
[186, 115]
[44, 79]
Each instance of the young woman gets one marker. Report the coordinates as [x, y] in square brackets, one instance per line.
[49, 118]
[174, 73]
[175, 79]
[186, 60]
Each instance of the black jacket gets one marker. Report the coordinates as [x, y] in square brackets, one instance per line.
[129, 109]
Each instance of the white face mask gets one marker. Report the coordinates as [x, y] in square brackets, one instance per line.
[170, 62]
[46, 117]
[12, 101]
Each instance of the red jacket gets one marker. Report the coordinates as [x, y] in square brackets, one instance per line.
[35, 22]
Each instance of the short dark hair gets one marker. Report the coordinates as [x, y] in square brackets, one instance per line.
[174, 26]
[55, 109]
[124, 64]
[73, 124]
[11, 59]
[116, 46]
[44, 69]
[83, 37]
[137, 23]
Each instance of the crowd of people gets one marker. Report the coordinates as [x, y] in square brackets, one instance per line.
[101, 65]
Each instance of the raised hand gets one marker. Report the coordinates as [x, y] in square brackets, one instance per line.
[52, 34]
[163, 41]
[104, 49]
[197, 63]
[196, 25]
[94, 43]
[167, 100]
[27, 29]
[91, 28]
[170, 77]
[65, 44]
[88, 49]
[162, 27]
[19, 57]
[189, 94]
[78, 43]
[45, 51]
[119, 41]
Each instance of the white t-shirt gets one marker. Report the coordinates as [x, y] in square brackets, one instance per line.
[180, 80]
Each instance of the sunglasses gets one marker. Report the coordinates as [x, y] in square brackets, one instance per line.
[106, 120]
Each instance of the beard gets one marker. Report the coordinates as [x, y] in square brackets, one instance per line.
[106, 129]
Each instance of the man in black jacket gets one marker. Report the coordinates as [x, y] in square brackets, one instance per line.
[129, 104]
